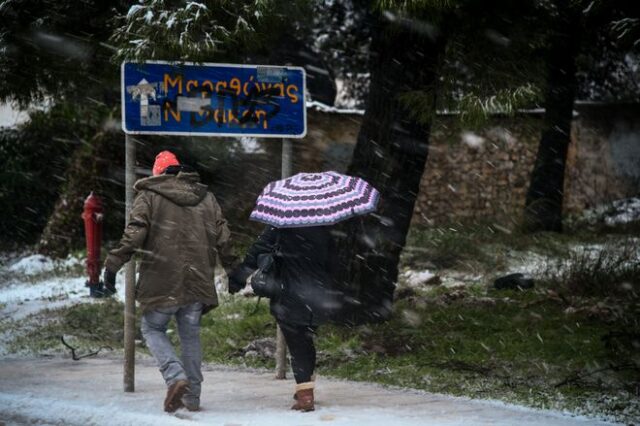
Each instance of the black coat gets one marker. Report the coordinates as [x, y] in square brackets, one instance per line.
[307, 264]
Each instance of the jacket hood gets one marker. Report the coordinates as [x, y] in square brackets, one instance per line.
[183, 189]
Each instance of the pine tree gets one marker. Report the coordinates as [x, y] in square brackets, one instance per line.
[57, 51]
[202, 31]
[419, 53]
[577, 29]
[55, 57]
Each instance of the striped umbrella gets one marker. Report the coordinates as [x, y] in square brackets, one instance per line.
[311, 199]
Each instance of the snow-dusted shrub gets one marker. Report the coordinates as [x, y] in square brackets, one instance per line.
[609, 270]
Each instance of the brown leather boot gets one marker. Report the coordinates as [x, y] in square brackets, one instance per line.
[313, 379]
[176, 391]
[304, 397]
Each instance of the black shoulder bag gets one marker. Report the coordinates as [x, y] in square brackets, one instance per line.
[266, 281]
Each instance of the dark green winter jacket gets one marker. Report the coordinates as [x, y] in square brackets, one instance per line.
[177, 227]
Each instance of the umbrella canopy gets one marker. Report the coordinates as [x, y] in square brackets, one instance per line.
[312, 199]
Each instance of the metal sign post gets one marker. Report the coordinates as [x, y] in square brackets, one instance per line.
[130, 275]
[188, 99]
[281, 347]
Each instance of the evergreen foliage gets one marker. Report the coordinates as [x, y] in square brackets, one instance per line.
[200, 31]
[56, 63]
[33, 161]
[492, 61]
[56, 50]
[484, 69]
[610, 58]
[340, 34]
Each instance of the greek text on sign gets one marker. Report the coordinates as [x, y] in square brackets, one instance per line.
[213, 99]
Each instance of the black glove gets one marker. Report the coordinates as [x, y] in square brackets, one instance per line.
[238, 279]
[109, 279]
[235, 285]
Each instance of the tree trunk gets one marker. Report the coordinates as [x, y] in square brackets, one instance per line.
[390, 153]
[543, 208]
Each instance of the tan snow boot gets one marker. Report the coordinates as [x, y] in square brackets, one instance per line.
[313, 379]
[304, 397]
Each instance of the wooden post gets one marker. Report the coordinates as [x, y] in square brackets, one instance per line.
[281, 347]
[130, 274]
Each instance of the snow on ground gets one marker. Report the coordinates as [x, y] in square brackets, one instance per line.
[10, 116]
[31, 265]
[618, 212]
[417, 278]
[230, 396]
[54, 288]
[37, 264]
[623, 211]
[34, 282]
[20, 298]
[529, 263]
[54, 391]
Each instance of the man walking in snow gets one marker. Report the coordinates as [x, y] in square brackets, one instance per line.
[178, 228]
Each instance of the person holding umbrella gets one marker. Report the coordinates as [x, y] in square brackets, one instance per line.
[299, 212]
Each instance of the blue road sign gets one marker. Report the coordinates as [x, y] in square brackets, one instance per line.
[172, 98]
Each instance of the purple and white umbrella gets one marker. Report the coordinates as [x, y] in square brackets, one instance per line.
[312, 199]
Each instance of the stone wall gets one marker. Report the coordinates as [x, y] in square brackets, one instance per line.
[477, 175]
[484, 175]
[604, 158]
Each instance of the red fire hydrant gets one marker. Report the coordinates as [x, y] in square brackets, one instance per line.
[92, 216]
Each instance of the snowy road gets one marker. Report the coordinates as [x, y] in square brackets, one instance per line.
[89, 392]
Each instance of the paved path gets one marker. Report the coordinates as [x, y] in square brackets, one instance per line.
[89, 392]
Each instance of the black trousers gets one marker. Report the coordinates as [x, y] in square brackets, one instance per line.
[303, 352]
